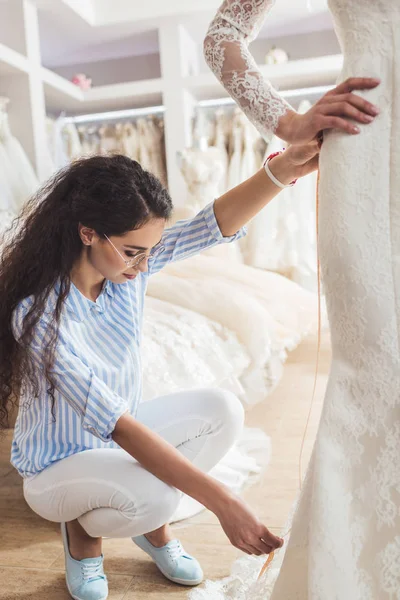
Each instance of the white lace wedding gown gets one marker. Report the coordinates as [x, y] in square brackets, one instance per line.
[345, 539]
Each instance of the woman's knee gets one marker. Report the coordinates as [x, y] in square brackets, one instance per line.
[135, 516]
[161, 507]
[228, 410]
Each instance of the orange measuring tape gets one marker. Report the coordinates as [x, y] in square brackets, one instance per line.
[272, 554]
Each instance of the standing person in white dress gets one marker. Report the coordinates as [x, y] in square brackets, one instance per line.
[72, 283]
[345, 540]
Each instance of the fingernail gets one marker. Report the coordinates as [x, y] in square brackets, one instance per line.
[375, 110]
[356, 130]
[368, 118]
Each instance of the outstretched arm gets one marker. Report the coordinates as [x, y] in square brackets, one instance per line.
[226, 50]
[238, 206]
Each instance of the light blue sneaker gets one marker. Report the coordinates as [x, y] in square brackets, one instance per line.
[172, 560]
[85, 578]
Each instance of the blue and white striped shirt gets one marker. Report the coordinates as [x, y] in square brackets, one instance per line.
[97, 367]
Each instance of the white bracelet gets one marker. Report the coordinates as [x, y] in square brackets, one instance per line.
[272, 177]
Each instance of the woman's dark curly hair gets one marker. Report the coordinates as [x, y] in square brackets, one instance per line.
[112, 195]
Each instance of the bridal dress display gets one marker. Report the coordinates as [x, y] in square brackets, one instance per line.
[17, 178]
[235, 164]
[345, 535]
[142, 141]
[202, 167]
[128, 139]
[6, 225]
[282, 237]
[220, 143]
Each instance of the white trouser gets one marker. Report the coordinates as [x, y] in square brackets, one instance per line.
[111, 494]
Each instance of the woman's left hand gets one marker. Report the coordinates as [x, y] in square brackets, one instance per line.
[304, 158]
[295, 162]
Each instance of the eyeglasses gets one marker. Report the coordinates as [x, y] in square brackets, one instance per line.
[139, 257]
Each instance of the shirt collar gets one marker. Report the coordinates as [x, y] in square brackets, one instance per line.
[80, 306]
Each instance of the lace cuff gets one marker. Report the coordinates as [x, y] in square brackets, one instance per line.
[227, 54]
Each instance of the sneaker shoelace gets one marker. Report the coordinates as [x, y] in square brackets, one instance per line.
[92, 571]
[175, 550]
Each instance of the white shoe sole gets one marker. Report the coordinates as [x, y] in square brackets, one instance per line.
[77, 597]
[186, 582]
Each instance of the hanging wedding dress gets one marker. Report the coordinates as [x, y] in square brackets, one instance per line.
[345, 537]
[282, 237]
[249, 165]
[17, 172]
[128, 140]
[203, 167]
[220, 143]
[6, 226]
[6, 194]
[268, 231]
[56, 143]
[234, 171]
[131, 141]
[72, 141]
[144, 144]
[108, 140]
[156, 144]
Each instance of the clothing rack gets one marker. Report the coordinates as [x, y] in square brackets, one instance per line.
[131, 113]
[159, 110]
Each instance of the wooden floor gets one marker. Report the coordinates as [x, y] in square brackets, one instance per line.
[31, 555]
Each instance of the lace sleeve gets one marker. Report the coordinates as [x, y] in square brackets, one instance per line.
[226, 50]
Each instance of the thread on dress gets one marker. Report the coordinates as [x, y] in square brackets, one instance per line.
[272, 554]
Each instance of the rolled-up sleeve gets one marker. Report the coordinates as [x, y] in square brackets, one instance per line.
[190, 237]
[97, 406]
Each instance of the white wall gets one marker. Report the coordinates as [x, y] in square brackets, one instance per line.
[136, 68]
[12, 32]
[133, 68]
[309, 45]
[317, 43]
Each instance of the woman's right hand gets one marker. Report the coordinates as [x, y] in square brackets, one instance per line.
[338, 109]
[244, 530]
